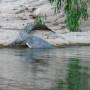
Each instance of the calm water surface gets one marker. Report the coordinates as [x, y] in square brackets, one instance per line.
[53, 69]
[48, 69]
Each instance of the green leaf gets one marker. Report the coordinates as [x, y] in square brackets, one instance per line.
[75, 11]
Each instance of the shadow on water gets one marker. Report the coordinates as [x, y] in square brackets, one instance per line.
[77, 77]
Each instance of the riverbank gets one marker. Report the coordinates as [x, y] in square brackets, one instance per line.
[19, 16]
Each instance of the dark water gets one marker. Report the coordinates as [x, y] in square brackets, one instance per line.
[49, 69]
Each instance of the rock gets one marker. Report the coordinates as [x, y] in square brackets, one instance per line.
[9, 37]
[44, 10]
[13, 38]
[36, 42]
[77, 38]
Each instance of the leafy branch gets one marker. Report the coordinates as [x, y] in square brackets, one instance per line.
[75, 11]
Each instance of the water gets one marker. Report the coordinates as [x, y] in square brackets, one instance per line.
[53, 69]
[46, 69]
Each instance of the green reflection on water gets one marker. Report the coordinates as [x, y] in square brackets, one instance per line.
[73, 77]
[77, 77]
[59, 85]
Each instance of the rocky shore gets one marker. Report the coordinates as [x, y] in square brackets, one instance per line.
[18, 16]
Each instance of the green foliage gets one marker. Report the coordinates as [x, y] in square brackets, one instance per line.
[40, 23]
[75, 11]
[59, 85]
[39, 20]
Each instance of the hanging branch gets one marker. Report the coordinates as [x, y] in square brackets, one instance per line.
[75, 11]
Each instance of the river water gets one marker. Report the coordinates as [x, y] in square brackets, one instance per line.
[48, 69]
[44, 69]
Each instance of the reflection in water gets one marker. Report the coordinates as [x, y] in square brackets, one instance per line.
[78, 77]
[73, 77]
[59, 85]
[23, 69]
